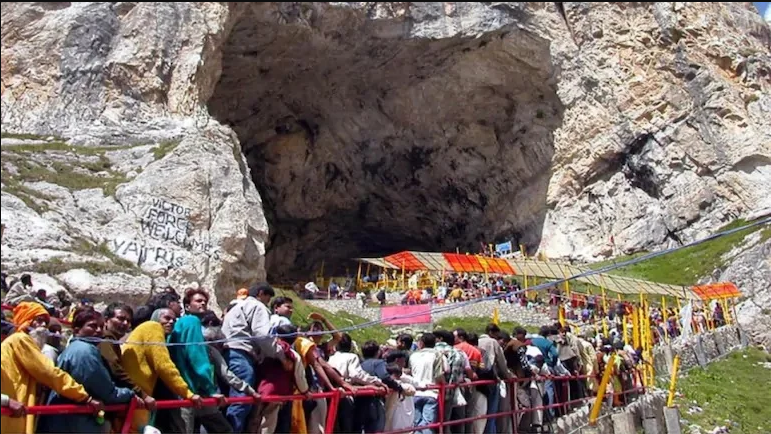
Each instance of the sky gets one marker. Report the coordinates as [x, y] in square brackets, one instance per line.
[764, 9]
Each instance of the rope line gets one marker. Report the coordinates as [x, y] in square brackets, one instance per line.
[452, 306]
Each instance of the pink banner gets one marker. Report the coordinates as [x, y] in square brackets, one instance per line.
[416, 314]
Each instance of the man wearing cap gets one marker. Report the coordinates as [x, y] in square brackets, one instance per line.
[246, 327]
[24, 366]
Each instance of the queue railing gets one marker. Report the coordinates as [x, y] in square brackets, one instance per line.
[515, 412]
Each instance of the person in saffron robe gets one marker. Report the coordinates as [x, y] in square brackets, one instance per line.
[24, 367]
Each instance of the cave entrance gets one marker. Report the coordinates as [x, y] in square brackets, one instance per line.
[363, 141]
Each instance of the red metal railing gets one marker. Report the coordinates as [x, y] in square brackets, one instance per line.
[335, 396]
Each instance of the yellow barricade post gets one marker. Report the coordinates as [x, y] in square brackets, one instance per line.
[726, 312]
[595, 413]
[358, 277]
[404, 283]
[673, 381]
[605, 309]
[665, 317]
[635, 327]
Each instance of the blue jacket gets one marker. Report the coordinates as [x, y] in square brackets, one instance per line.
[549, 350]
[83, 362]
[192, 360]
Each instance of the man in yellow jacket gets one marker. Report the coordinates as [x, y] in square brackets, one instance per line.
[24, 366]
[146, 359]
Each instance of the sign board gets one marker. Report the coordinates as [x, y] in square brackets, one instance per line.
[504, 247]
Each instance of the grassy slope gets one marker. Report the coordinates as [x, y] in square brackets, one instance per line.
[339, 319]
[735, 389]
[71, 173]
[378, 332]
[476, 325]
[686, 266]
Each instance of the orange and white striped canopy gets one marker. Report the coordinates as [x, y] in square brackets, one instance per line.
[415, 261]
[717, 290]
[460, 263]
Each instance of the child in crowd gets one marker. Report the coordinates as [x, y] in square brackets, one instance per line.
[400, 407]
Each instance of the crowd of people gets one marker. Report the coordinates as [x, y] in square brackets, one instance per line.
[583, 310]
[175, 347]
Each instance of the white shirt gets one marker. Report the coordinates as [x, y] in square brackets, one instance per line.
[278, 320]
[533, 351]
[50, 352]
[400, 414]
[349, 367]
[426, 366]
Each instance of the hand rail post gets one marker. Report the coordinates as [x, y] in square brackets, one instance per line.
[442, 403]
[334, 404]
[566, 394]
[129, 417]
[515, 407]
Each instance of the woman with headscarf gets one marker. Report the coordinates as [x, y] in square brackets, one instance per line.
[24, 366]
[81, 359]
[146, 359]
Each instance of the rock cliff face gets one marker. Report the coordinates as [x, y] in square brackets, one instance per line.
[750, 269]
[371, 127]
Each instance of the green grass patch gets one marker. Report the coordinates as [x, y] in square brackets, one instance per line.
[339, 319]
[685, 267]
[734, 389]
[77, 176]
[164, 148]
[56, 266]
[58, 146]
[30, 136]
[112, 263]
[29, 196]
[103, 164]
[89, 248]
[477, 324]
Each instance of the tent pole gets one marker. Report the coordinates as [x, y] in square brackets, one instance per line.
[358, 277]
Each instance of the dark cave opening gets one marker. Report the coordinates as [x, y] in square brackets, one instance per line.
[365, 145]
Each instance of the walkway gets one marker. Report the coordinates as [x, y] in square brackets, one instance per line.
[507, 312]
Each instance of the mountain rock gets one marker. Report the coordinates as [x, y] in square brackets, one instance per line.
[750, 270]
[136, 136]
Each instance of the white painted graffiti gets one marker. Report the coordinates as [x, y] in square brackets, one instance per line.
[168, 237]
[141, 254]
[169, 223]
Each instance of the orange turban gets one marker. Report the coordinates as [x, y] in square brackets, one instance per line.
[25, 312]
